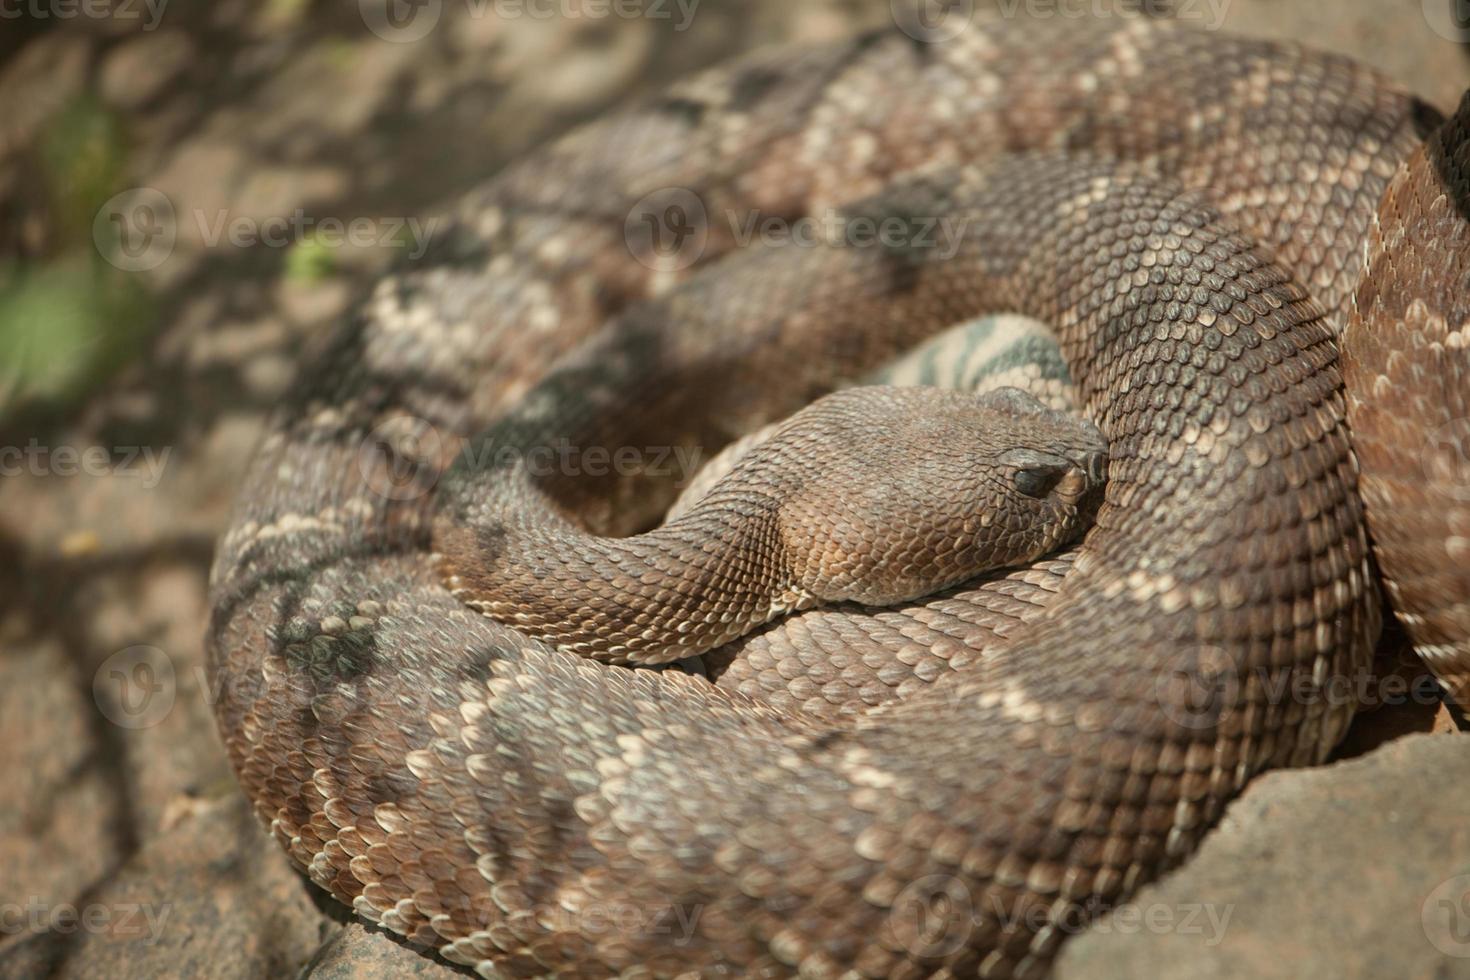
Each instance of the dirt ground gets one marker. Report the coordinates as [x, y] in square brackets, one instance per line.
[136, 372]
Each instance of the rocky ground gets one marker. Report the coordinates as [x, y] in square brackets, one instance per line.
[170, 176]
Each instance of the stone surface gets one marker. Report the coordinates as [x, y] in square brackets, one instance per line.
[137, 71]
[1360, 869]
[358, 951]
[206, 898]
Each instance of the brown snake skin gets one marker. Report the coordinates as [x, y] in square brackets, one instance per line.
[875, 495]
[1188, 211]
[1407, 370]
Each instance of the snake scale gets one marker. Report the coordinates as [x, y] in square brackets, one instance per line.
[1196, 216]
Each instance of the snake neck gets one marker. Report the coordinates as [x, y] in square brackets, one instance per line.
[674, 592]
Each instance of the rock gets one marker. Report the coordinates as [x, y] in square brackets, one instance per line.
[56, 832]
[1357, 869]
[360, 953]
[214, 897]
[62, 60]
[136, 71]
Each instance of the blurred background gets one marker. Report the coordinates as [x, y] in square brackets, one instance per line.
[190, 191]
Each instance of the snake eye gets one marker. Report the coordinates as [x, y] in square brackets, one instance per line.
[1038, 481]
[1033, 472]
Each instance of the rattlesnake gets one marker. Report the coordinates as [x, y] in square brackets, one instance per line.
[1192, 213]
[876, 495]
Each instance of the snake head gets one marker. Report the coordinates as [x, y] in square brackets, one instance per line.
[910, 490]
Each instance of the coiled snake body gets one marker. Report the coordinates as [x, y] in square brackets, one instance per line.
[1193, 214]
